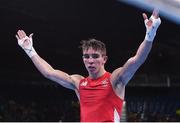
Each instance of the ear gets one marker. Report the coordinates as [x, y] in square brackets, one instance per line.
[105, 59]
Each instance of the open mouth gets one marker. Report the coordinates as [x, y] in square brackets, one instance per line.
[91, 68]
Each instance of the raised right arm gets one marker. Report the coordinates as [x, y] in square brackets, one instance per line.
[68, 81]
[58, 76]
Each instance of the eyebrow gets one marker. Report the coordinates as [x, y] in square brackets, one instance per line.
[93, 55]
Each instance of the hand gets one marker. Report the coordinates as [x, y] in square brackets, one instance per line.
[151, 24]
[26, 42]
[155, 15]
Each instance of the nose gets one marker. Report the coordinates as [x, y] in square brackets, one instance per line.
[91, 60]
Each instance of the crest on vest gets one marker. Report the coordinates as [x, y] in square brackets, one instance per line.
[84, 83]
[105, 83]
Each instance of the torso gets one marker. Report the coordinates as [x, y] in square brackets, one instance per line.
[98, 99]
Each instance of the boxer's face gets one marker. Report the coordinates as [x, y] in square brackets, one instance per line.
[94, 60]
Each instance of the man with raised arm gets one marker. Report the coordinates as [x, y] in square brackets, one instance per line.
[101, 93]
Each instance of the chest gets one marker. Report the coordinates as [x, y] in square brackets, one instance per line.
[95, 90]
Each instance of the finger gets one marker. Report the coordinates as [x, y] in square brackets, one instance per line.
[17, 37]
[20, 34]
[30, 36]
[23, 33]
[155, 13]
[144, 16]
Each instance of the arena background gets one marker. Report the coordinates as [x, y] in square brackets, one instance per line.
[58, 27]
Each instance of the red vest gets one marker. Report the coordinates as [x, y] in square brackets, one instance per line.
[98, 101]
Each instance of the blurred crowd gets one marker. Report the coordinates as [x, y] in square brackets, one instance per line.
[49, 103]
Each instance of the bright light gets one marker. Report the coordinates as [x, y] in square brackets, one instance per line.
[169, 9]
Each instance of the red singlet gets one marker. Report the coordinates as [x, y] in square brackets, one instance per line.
[98, 101]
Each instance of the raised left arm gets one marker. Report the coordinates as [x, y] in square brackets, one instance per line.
[125, 73]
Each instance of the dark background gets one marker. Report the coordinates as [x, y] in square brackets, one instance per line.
[59, 26]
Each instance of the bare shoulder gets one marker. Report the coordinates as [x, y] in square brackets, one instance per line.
[115, 74]
[117, 84]
[76, 78]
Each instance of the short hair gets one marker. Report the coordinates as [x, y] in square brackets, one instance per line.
[94, 44]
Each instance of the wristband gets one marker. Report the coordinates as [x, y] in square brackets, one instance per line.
[27, 45]
[151, 30]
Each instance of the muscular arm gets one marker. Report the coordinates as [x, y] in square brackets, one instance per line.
[56, 75]
[68, 81]
[124, 74]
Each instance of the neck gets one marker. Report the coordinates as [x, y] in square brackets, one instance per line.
[97, 75]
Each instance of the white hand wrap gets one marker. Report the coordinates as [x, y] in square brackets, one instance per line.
[27, 44]
[151, 30]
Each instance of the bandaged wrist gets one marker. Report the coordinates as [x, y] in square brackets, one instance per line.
[27, 45]
[30, 52]
[150, 35]
[151, 30]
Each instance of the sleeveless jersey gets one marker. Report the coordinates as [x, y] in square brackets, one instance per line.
[98, 101]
